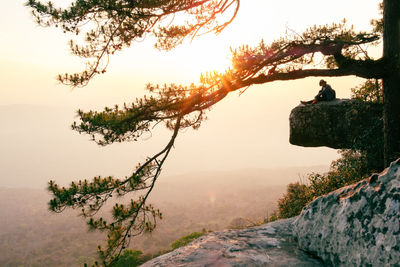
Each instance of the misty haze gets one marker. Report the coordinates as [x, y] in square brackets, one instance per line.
[162, 123]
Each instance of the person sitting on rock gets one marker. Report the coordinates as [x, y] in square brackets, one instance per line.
[325, 94]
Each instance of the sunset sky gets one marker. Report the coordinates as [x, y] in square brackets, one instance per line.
[247, 131]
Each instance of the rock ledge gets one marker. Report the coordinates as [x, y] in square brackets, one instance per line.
[268, 245]
[335, 124]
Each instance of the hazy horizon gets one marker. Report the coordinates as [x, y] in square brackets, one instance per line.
[246, 131]
[38, 145]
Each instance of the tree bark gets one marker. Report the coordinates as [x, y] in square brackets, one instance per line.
[391, 83]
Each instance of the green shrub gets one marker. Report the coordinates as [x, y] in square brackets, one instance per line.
[350, 168]
[273, 217]
[369, 91]
[183, 241]
[295, 199]
[130, 258]
[369, 141]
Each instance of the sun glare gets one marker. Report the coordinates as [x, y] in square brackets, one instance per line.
[212, 197]
[207, 54]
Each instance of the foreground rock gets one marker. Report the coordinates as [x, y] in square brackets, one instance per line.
[268, 245]
[358, 225]
[335, 124]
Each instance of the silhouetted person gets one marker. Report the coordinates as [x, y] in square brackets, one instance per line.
[325, 94]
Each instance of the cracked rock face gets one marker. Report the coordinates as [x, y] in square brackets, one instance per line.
[268, 245]
[335, 124]
[358, 225]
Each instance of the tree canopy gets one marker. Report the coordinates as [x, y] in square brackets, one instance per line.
[104, 27]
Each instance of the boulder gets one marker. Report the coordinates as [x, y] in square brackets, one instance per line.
[336, 124]
[358, 225]
[268, 245]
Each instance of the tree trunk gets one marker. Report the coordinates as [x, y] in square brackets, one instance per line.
[391, 83]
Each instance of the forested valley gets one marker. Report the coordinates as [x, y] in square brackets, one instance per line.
[32, 236]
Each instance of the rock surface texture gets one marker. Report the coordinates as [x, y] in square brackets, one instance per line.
[335, 124]
[268, 245]
[358, 225]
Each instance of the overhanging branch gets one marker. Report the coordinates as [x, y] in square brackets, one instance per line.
[368, 70]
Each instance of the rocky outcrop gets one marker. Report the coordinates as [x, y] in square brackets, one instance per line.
[268, 245]
[358, 225]
[335, 124]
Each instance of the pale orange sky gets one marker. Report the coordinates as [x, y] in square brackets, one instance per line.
[250, 131]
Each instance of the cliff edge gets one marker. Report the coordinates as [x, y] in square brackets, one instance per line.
[358, 225]
[271, 244]
[336, 124]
